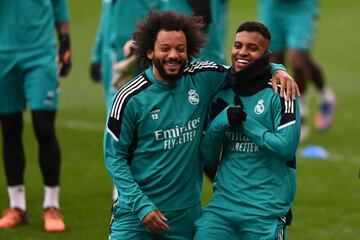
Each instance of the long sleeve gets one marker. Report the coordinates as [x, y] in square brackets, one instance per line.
[211, 143]
[119, 138]
[276, 66]
[60, 8]
[284, 139]
[97, 48]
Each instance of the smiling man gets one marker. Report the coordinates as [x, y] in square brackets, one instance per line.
[154, 129]
[257, 133]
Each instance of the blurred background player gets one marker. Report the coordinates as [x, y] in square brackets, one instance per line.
[123, 23]
[126, 14]
[117, 22]
[103, 55]
[112, 60]
[29, 76]
[292, 25]
[214, 14]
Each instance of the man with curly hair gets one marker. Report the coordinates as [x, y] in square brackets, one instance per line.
[154, 128]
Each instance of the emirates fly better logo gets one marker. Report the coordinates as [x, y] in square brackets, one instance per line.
[178, 135]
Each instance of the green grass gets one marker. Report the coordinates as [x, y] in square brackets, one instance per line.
[328, 196]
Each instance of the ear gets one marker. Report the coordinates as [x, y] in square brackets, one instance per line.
[150, 54]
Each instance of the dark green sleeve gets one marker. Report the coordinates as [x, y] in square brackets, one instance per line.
[211, 143]
[276, 66]
[284, 139]
[118, 137]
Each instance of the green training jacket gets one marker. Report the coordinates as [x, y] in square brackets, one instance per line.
[257, 175]
[152, 136]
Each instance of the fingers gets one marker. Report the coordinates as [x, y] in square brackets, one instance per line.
[128, 48]
[236, 116]
[238, 101]
[155, 221]
[289, 89]
[274, 85]
[282, 88]
[65, 63]
[296, 90]
[221, 103]
[162, 217]
[217, 107]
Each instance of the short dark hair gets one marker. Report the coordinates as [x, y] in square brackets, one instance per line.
[253, 26]
[147, 30]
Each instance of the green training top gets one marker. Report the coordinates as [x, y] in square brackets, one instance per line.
[152, 137]
[256, 176]
[28, 24]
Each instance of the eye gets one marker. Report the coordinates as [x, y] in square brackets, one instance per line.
[164, 48]
[253, 48]
[237, 45]
[181, 49]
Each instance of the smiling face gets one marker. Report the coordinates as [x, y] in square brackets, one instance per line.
[247, 48]
[169, 55]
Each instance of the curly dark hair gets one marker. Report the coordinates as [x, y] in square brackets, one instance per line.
[147, 30]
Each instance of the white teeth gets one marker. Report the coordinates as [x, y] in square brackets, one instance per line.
[171, 64]
[242, 61]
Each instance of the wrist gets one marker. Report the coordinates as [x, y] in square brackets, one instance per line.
[64, 40]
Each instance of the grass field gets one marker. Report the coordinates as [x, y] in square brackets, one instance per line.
[327, 205]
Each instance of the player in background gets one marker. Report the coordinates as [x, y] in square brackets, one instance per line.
[103, 55]
[125, 16]
[212, 11]
[117, 22]
[214, 14]
[154, 128]
[292, 24]
[257, 132]
[113, 61]
[29, 77]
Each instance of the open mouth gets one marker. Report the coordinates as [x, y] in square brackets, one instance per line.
[172, 63]
[241, 63]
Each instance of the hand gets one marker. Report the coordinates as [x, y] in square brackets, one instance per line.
[128, 48]
[155, 221]
[217, 107]
[95, 72]
[287, 82]
[236, 115]
[64, 55]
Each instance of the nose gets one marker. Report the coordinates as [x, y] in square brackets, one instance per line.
[173, 53]
[243, 51]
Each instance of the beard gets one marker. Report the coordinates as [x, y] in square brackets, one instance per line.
[168, 77]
